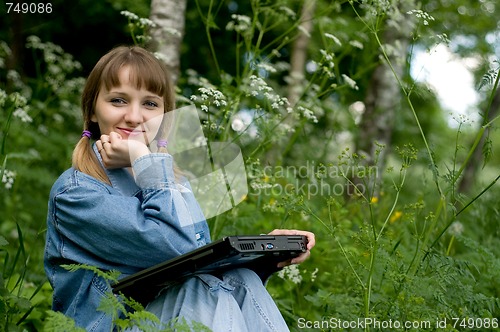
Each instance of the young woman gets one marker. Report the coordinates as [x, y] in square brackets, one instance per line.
[122, 207]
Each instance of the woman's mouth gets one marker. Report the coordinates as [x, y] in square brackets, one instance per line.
[127, 132]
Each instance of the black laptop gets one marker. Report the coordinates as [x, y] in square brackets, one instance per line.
[254, 252]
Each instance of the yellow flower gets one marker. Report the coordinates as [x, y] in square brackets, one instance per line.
[395, 216]
[374, 200]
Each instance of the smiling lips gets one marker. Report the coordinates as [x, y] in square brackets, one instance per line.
[132, 131]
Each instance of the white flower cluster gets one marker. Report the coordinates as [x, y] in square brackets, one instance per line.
[140, 21]
[8, 178]
[332, 37]
[288, 12]
[59, 63]
[266, 67]
[308, 114]
[18, 100]
[3, 97]
[131, 16]
[292, 273]
[146, 22]
[240, 23]
[327, 63]
[256, 86]
[456, 228]
[5, 51]
[210, 96]
[23, 114]
[356, 44]
[350, 82]
[260, 185]
[424, 16]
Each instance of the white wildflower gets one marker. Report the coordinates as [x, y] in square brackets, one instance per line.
[332, 37]
[288, 12]
[424, 16]
[304, 31]
[8, 178]
[145, 22]
[240, 23]
[266, 67]
[23, 114]
[160, 56]
[129, 15]
[4, 48]
[292, 273]
[349, 81]
[456, 228]
[327, 56]
[18, 100]
[308, 114]
[356, 44]
[3, 97]
[173, 32]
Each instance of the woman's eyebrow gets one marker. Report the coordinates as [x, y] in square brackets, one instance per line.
[121, 93]
[154, 96]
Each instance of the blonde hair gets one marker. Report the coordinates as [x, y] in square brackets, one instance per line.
[145, 71]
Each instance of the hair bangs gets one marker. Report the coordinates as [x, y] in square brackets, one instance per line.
[143, 73]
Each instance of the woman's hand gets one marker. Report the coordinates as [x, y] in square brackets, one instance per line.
[310, 244]
[117, 152]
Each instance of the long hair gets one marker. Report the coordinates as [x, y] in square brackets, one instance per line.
[145, 71]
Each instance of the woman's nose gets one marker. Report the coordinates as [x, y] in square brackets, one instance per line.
[133, 114]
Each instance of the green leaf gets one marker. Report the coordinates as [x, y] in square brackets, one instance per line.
[58, 322]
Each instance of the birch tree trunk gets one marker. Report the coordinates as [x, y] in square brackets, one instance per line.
[299, 53]
[383, 98]
[168, 33]
[474, 165]
[296, 81]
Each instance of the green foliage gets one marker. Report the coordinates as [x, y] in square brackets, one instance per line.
[22, 303]
[396, 240]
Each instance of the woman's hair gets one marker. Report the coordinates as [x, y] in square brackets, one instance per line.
[145, 72]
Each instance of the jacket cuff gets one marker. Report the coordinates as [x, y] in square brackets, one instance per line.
[154, 171]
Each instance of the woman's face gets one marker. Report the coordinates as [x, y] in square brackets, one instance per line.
[130, 112]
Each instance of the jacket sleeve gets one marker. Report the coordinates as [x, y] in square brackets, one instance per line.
[106, 229]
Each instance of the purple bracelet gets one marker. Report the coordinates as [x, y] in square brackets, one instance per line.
[87, 134]
[162, 143]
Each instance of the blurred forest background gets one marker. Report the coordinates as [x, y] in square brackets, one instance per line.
[340, 131]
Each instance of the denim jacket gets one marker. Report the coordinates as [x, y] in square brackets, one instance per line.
[128, 226]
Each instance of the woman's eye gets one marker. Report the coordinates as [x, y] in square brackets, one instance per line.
[117, 101]
[151, 104]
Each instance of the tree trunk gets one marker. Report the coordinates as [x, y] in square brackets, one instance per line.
[383, 99]
[299, 53]
[167, 36]
[470, 171]
[296, 81]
